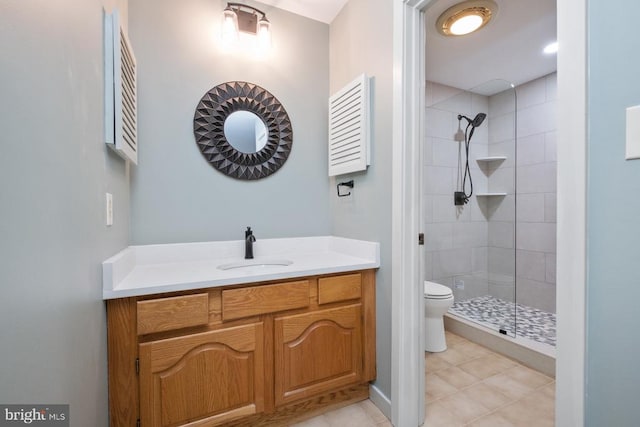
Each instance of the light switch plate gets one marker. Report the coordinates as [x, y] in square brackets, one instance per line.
[633, 133]
[109, 208]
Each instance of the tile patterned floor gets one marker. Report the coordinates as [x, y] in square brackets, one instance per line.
[466, 385]
[469, 385]
[494, 313]
[361, 414]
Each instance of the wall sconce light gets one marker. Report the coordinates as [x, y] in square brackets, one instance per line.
[243, 18]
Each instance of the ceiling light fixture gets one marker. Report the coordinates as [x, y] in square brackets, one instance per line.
[466, 17]
[243, 18]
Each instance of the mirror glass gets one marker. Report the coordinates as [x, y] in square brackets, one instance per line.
[245, 131]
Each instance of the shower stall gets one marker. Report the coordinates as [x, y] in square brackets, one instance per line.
[489, 203]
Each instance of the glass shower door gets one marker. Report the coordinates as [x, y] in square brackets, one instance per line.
[499, 206]
[470, 200]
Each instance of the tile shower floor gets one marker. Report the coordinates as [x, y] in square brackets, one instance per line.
[531, 323]
[466, 385]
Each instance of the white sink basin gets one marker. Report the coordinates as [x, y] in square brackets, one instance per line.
[255, 263]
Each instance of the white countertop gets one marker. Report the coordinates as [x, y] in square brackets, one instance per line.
[151, 269]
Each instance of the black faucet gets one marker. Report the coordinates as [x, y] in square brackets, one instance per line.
[249, 238]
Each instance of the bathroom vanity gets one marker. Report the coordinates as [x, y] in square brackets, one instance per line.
[239, 342]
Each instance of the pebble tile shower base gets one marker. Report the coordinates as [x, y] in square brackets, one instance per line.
[531, 323]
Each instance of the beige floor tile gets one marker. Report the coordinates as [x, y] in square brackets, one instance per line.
[319, 421]
[466, 394]
[453, 339]
[535, 409]
[352, 415]
[361, 414]
[528, 413]
[455, 356]
[436, 388]
[528, 376]
[542, 403]
[485, 395]
[434, 363]
[436, 415]
[504, 359]
[491, 420]
[549, 390]
[507, 386]
[372, 411]
[464, 407]
[487, 365]
[473, 349]
[457, 377]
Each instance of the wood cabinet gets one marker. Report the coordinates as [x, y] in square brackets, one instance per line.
[317, 352]
[246, 355]
[209, 377]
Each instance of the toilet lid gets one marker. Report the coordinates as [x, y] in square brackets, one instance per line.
[436, 290]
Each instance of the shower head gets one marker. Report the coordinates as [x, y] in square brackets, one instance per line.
[477, 120]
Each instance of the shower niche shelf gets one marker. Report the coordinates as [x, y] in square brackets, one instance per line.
[491, 194]
[491, 159]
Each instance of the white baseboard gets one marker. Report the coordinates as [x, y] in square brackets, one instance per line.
[380, 400]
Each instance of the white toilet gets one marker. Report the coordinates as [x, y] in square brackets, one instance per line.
[437, 300]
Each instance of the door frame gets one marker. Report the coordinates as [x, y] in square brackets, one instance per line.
[571, 274]
[407, 360]
[407, 329]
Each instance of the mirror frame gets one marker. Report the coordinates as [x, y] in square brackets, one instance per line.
[208, 127]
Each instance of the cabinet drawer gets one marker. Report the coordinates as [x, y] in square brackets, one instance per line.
[245, 302]
[166, 314]
[339, 288]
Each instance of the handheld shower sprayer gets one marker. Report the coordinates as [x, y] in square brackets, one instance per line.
[461, 197]
[477, 120]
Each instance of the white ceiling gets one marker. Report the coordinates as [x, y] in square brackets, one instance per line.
[320, 10]
[508, 48]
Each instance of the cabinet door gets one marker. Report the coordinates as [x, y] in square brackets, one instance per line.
[202, 379]
[317, 352]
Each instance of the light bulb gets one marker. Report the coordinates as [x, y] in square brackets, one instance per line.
[466, 24]
[466, 17]
[229, 26]
[264, 34]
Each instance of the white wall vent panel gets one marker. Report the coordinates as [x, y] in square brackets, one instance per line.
[349, 112]
[121, 104]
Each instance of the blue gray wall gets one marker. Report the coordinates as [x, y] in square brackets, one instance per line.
[54, 172]
[176, 195]
[361, 42]
[613, 217]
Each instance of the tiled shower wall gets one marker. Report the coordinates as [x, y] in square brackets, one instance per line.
[455, 237]
[535, 161]
[473, 246]
[500, 211]
[536, 201]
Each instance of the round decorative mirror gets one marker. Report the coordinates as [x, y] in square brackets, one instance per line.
[242, 130]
